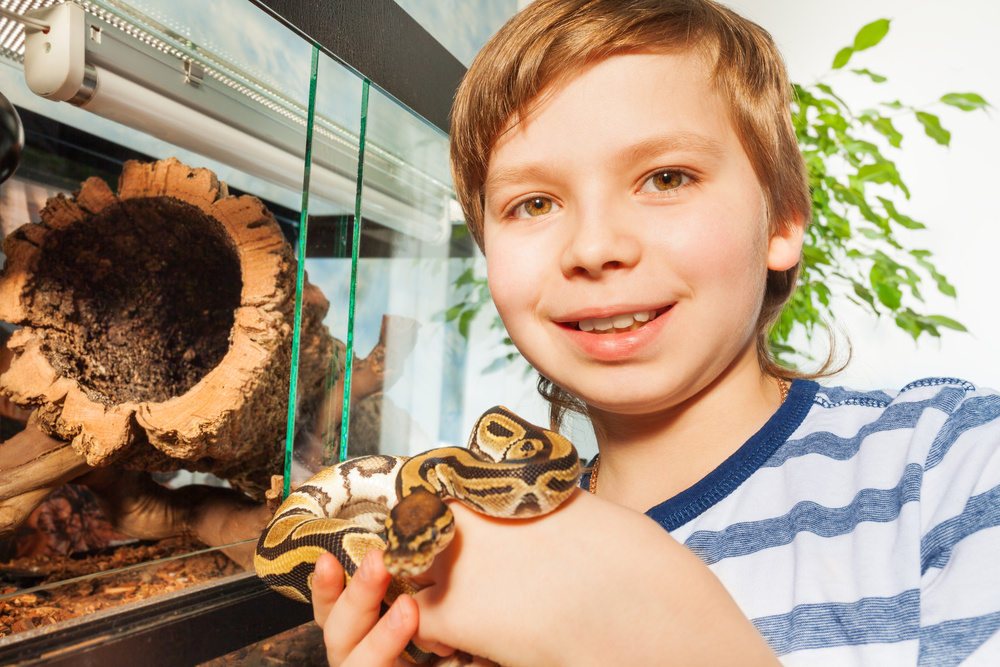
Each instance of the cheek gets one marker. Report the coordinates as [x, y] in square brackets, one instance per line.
[511, 275]
[724, 256]
[716, 253]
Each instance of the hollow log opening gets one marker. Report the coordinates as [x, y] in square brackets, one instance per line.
[157, 325]
[141, 316]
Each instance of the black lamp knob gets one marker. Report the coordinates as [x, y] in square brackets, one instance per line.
[11, 139]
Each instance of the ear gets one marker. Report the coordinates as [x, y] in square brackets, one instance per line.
[785, 246]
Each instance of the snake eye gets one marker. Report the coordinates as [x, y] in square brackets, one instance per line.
[525, 449]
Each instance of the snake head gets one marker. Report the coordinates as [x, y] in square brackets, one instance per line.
[418, 528]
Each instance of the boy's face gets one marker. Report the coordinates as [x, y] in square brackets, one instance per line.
[626, 196]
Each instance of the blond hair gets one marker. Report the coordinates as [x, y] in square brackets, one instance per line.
[551, 40]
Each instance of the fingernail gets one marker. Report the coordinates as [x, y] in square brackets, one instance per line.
[365, 572]
[320, 570]
[395, 617]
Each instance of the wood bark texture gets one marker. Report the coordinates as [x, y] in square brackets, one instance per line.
[157, 325]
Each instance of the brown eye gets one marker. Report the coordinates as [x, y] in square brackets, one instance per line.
[537, 206]
[533, 207]
[667, 180]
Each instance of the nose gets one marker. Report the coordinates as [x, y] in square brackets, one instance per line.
[599, 242]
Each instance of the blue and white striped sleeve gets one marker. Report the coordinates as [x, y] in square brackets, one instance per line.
[960, 544]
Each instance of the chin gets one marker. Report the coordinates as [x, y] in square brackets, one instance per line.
[630, 400]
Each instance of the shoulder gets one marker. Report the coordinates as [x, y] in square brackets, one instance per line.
[941, 393]
[939, 408]
[935, 440]
[939, 438]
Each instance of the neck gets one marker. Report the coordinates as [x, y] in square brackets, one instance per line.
[647, 459]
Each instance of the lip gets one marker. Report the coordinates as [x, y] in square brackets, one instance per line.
[614, 346]
[594, 313]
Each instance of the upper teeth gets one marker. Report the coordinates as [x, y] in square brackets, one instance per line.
[617, 322]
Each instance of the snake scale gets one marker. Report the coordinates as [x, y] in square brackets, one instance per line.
[510, 469]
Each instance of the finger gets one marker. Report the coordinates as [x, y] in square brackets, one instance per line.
[433, 646]
[382, 646]
[327, 585]
[357, 610]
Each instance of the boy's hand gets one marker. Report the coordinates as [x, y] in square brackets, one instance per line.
[590, 583]
[349, 615]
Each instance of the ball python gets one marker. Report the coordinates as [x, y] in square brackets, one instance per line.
[510, 469]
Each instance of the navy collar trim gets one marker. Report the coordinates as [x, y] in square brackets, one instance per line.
[716, 485]
[745, 461]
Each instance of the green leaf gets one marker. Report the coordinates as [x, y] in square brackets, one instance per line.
[903, 220]
[466, 278]
[908, 323]
[943, 321]
[965, 101]
[842, 57]
[882, 172]
[889, 294]
[932, 126]
[822, 293]
[834, 120]
[813, 255]
[871, 34]
[876, 78]
[856, 146]
[865, 294]
[943, 285]
[885, 284]
[885, 127]
[464, 322]
[782, 348]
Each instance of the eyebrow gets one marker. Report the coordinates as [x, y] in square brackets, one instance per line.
[669, 143]
[535, 171]
[674, 142]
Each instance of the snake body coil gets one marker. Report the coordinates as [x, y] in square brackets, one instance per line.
[511, 469]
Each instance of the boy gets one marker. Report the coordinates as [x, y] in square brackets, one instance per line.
[630, 171]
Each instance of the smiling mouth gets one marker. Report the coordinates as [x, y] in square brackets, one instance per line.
[620, 323]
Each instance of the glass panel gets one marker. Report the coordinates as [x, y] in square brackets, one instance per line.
[43, 592]
[324, 329]
[302, 646]
[407, 274]
[230, 100]
[404, 394]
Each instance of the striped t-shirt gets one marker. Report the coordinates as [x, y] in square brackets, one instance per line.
[860, 528]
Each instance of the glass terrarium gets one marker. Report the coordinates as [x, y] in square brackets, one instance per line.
[233, 256]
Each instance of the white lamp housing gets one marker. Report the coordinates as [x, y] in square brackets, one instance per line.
[58, 56]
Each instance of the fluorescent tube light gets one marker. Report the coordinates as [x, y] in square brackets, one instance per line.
[57, 67]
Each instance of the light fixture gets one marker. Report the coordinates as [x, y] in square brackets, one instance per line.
[98, 61]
